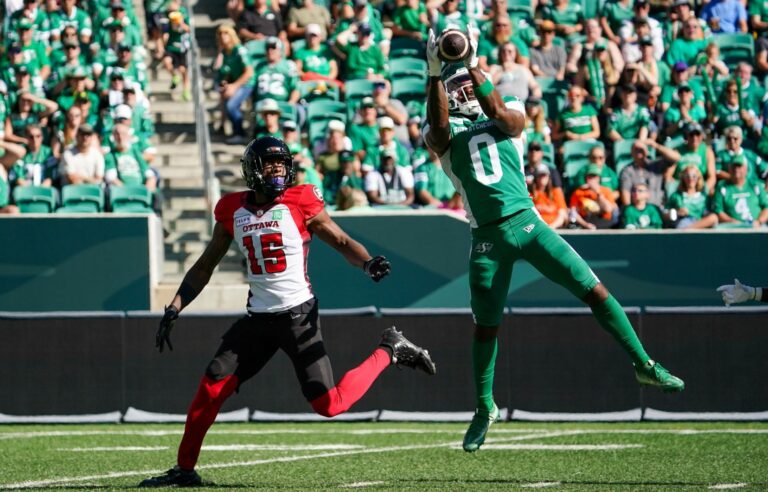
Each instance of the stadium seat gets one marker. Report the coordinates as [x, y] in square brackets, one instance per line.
[287, 111]
[326, 110]
[400, 47]
[257, 49]
[622, 154]
[735, 48]
[549, 154]
[314, 90]
[297, 45]
[82, 198]
[316, 129]
[130, 199]
[520, 9]
[409, 89]
[35, 199]
[555, 102]
[357, 89]
[551, 84]
[407, 66]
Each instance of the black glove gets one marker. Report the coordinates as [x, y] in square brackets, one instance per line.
[163, 335]
[377, 268]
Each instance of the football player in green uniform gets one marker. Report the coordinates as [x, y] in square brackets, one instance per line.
[478, 140]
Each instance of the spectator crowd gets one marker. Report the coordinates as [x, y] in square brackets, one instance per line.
[641, 114]
[76, 129]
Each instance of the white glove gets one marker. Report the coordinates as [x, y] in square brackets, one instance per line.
[433, 61]
[738, 292]
[471, 61]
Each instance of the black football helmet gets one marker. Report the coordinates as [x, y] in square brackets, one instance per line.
[252, 164]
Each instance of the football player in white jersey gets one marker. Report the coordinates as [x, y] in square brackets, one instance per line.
[273, 224]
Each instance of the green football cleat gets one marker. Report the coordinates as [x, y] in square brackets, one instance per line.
[481, 422]
[653, 374]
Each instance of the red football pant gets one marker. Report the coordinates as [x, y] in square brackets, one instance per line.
[353, 385]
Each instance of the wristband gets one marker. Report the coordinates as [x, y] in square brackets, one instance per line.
[758, 295]
[484, 89]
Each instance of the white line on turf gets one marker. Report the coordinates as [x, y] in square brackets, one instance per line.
[540, 485]
[725, 486]
[116, 448]
[560, 447]
[357, 485]
[280, 447]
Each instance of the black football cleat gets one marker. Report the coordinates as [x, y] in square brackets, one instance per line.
[175, 477]
[405, 353]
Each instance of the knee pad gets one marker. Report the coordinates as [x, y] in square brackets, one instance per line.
[218, 370]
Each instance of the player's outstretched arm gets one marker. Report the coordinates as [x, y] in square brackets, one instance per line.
[439, 134]
[510, 121]
[737, 292]
[329, 231]
[194, 281]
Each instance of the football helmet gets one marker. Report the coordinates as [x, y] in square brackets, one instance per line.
[252, 162]
[461, 94]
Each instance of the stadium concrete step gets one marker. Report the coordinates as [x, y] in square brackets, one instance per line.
[225, 292]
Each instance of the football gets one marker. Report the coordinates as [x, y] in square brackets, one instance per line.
[452, 46]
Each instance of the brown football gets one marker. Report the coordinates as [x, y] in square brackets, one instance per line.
[452, 46]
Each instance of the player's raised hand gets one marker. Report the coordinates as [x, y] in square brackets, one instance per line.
[471, 59]
[377, 268]
[737, 292]
[433, 61]
[163, 335]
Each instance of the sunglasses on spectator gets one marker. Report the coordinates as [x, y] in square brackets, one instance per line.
[640, 152]
[598, 156]
[690, 175]
[640, 190]
[732, 139]
[35, 135]
[547, 31]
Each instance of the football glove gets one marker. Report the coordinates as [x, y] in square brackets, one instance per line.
[738, 292]
[471, 60]
[433, 61]
[377, 268]
[163, 335]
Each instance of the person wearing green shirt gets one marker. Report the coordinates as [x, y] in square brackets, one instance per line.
[34, 53]
[363, 58]
[640, 214]
[269, 112]
[730, 112]
[568, 17]
[124, 165]
[690, 203]
[501, 33]
[410, 20]
[478, 139]
[387, 142]
[354, 14]
[613, 15]
[71, 15]
[76, 88]
[431, 185]
[685, 111]
[687, 47]
[234, 80]
[738, 203]
[36, 15]
[449, 16]
[758, 16]
[680, 76]
[630, 121]
[579, 120]
[276, 77]
[315, 61]
[37, 167]
[608, 177]
[365, 134]
[694, 151]
[177, 44]
[756, 166]
[345, 176]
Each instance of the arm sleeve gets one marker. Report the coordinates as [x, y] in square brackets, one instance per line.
[225, 211]
[311, 201]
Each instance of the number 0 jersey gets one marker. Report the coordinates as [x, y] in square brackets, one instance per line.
[275, 241]
[486, 166]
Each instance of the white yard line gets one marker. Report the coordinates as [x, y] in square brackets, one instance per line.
[561, 447]
[726, 486]
[540, 485]
[358, 485]
[281, 447]
[115, 448]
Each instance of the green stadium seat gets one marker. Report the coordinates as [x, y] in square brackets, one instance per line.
[407, 66]
[130, 199]
[591, 8]
[287, 111]
[316, 129]
[549, 153]
[297, 45]
[35, 199]
[409, 89]
[82, 198]
[257, 49]
[357, 89]
[735, 48]
[401, 46]
[554, 104]
[520, 9]
[551, 84]
[326, 110]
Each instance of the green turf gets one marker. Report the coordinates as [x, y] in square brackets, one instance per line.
[684, 456]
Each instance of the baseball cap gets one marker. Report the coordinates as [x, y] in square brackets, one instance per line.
[269, 106]
[336, 126]
[123, 47]
[547, 25]
[123, 112]
[70, 42]
[117, 5]
[693, 127]
[641, 2]
[314, 29]
[533, 101]
[678, 3]
[738, 160]
[680, 66]
[646, 41]
[367, 102]
[289, 125]
[85, 128]
[274, 42]
[77, 72]
[346, 156]
[385, 122]
[534, 146]
[629, 88]
[601, 46]
[364, 29]
[116, 74]
[129, 86]
[541, 169]
[684, 86]
[593, 170]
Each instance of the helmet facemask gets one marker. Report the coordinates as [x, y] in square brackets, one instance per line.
[253, 164]
[461, 95]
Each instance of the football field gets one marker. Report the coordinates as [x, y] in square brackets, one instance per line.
[395, 456]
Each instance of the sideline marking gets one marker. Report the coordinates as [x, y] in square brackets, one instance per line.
[281, 447]
[361, 484]
[541, 485]
[116, 448]
[724, 486]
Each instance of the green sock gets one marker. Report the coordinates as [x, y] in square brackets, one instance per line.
[612, 318]
[483, 362]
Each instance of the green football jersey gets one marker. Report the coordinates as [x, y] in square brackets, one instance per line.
[617, 13]
[276, 81]
[486, 166]
[647, 218]
[756, 165]
[317, 61]
[743, 203]
[430, 177]
[695, 203]
[35, 167]
[690, 157]
[363, 137]
[131, 168]
[628, 125]
[578, 122]
[233, 64]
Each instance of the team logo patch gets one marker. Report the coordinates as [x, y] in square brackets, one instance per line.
[318, 193]
[259, 213]
[242, 220]
[529, 228]
[277, 215]
[483, 247]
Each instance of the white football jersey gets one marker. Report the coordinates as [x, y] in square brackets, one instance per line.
[275, 241]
